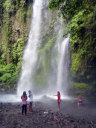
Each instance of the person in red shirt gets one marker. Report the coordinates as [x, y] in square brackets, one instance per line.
[58, 100]
[80, 100]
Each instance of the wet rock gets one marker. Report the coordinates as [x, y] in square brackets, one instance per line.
[11, 117]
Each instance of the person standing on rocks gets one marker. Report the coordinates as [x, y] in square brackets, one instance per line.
[80, 101]
[31, 100]
[58, 100]
[24, 103]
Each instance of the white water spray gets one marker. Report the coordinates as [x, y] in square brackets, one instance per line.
[58, 80]
[63, 63]
[30, 58]
[30, 53]
[59, 65]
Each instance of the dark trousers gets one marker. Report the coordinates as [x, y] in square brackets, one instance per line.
[24, 108]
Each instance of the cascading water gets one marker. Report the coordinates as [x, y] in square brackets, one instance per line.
[30, 53]
[63, 64]
[56, 79]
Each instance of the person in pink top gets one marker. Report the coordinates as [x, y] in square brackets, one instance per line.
[24, 103]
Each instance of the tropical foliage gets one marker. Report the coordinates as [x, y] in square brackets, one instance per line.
[81, 17]
[14, 28]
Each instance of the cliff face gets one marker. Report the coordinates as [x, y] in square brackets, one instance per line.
[14, 29]
[15, 17]
[81, 17]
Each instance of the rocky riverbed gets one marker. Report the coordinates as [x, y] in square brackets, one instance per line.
[45, 115]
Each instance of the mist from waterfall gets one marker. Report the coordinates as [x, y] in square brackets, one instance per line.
[63, 65]
[59, 67]
[58, 80]
[57, 76]
[30, 53]
[63, 61]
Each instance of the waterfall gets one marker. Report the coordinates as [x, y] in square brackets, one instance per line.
[63, 64]
[43, 20]
[58, 80]
[30, 53]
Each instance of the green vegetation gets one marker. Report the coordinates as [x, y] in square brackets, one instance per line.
[7, 73]
[41, 74]
[15, 18]
[81, 17]
[47, 46]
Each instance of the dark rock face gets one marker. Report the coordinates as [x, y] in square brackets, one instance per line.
[41, 117]
[10, 88]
